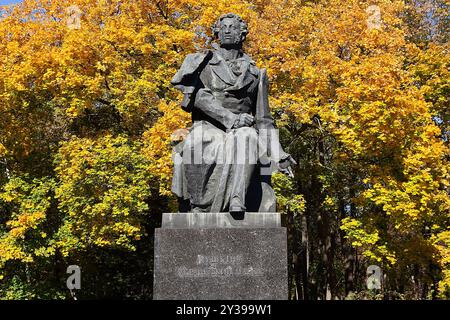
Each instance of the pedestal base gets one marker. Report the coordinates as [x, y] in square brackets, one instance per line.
[197, 258]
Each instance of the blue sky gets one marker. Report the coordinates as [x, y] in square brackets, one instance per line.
[3, 2]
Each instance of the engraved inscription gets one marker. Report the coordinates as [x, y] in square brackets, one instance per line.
[219, 259]
[218, 266]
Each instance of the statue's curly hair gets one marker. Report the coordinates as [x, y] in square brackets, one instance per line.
[242, 23]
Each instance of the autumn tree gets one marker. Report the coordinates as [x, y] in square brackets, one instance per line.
[359, 90]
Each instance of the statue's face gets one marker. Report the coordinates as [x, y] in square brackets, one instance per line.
[230, 32]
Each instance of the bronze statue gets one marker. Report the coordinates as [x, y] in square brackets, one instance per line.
[219, 166]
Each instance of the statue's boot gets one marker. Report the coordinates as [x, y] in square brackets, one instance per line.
[236, 205]
[197, 209]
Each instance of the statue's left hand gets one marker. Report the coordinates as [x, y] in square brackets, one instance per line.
[285, 165]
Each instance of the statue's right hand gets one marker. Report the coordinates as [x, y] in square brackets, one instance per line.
[244, 120]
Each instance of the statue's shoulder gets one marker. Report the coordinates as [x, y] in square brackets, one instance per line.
[194, 60]
[191, 64]
[252, 65]
[249, 59]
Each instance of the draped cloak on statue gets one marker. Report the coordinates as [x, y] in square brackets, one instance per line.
[213, 163]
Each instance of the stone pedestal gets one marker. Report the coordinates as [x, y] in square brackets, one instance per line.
[213, 256]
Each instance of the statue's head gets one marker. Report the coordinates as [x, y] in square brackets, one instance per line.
[230, 29]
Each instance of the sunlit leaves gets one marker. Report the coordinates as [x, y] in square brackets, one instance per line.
[104, 185]
[87, 115]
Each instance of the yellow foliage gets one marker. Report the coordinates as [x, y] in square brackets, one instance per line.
[158, 142]
[95, 96]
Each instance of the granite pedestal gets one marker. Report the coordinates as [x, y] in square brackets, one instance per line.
[214, 256]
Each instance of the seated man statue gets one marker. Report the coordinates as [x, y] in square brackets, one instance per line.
[219, 166]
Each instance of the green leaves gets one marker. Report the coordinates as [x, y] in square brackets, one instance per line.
[104, 186]
[87, 114]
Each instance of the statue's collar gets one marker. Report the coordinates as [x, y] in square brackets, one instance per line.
[217, 56]
[224, 70]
